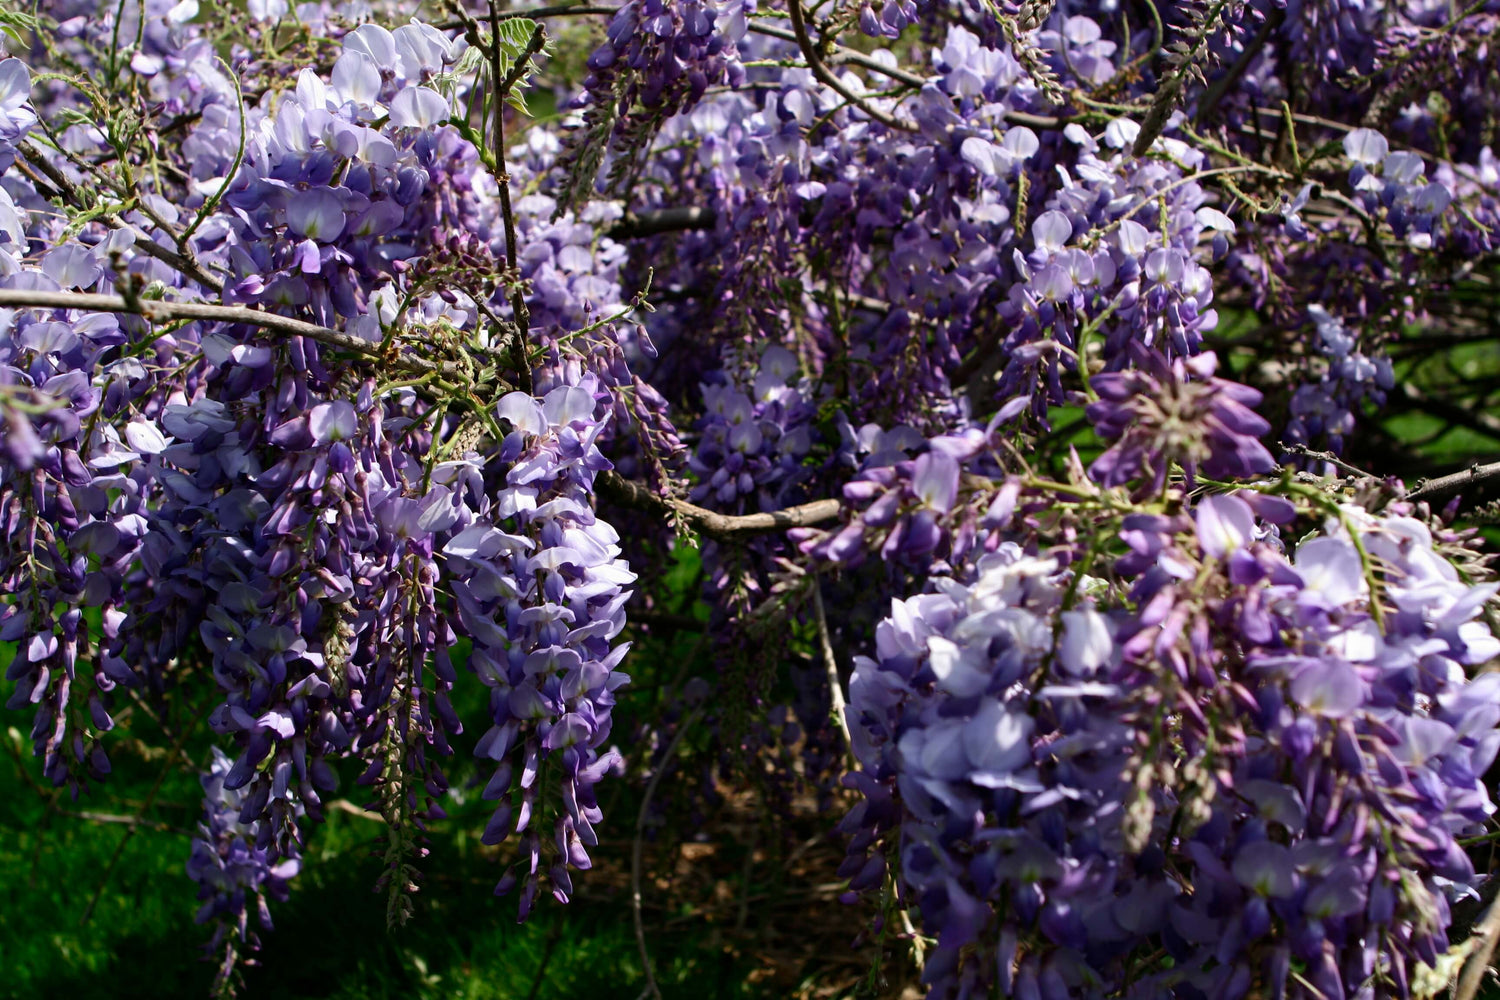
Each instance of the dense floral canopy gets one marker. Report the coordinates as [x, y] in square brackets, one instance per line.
[996, 357]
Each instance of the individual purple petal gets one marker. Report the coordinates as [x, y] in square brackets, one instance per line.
[317, 214]
[356, 77]
[522, 412]
[934, 480]
[961, 671]
[15, 84]
[1327, 687]
[71, 265]
[997, 741]
[1331, 572]
[1087, 644]
[982, 155]
[145, 437]
[568, 404]
[1265, 868]
[335, 421]
[1225, 524]
[418, 107]
[1051, 231]
[1339, 893]
[1365, 145]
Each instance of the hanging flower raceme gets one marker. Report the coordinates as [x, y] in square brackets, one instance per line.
[230, 867]
[541, 590]
[1325, 410]
[755, 433]
[659, 58]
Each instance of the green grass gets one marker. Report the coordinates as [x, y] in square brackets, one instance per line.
[330, 938]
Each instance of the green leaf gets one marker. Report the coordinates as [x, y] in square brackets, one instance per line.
[18, 24]
[514, 34]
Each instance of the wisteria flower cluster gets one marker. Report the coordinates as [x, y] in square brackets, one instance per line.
[752, 443]
[950, 340]
[1326, 411]
[230, 868]
[544, 602]
[1058, 774]
[658, 59]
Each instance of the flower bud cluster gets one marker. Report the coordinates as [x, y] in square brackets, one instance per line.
[1162, 413]
[1116, 256]
[17, 115]
[1392, 184]
[326, 200]
[659, 57]
[73, 511]
[1324, 411]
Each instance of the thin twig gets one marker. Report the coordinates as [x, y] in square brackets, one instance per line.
[662, 220]
[503, 83]
[1475, 420]
[631, 494]
[541, 970]
[840, 708]
[853, 57]
[523, 61]
[131, 821]
[157, 310]
[1472, 975]
[358, 812]
[1168, 88]
[637, 847]
[830, 663]
[815, 63]
[1220, 86]
[114, 859]
[1303, 451]
[143, 241]
[841, 54]
[1445, 488]
[555, 10]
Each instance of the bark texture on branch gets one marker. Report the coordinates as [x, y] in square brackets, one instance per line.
[158, 310]
[627, 493]
[662, 220]
[1474, 484]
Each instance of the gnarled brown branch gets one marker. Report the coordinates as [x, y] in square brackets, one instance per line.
[628, 493]
[34, 161]
[662, 220]
[1469, 484]
[815, 63]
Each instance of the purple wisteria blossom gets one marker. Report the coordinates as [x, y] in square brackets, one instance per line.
[755, 433]
[1010, 777]
[1164, 413]
[234, 875]
[541, 590]
[332, 381]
